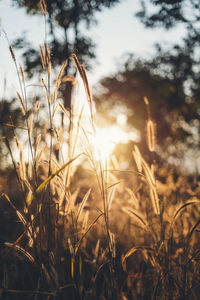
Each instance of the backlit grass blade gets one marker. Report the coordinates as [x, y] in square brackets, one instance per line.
[31, 196]
[193, 229]
[27, 292]
[13, 126]
[20, 250]
[85, 198]
[127, 210]
[134, 249]
[184, 206]
[88, 229]
[79, 242]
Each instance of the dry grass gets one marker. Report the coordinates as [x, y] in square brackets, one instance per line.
[85, 229]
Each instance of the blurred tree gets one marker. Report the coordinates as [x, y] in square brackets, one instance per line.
[67, 20]
[170, 80]
[182, 63]
[183, 59]
[159, 80]
[169, 13]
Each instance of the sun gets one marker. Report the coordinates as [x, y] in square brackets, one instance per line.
[106, 139]
[104, 145]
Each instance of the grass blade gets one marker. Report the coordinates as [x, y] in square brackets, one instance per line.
[31, 196]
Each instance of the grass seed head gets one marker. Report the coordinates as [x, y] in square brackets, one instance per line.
[151, 136]
[22, 104]
[12, 53]
[43, 7]
[37, 106]
[22, 73]
[138, 158]
[42, 57]
[30, 124]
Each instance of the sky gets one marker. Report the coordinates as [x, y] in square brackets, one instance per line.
[118, 32]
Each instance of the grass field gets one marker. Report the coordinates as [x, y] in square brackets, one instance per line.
[74, 225]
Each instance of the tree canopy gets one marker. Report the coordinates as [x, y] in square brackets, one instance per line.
[169, 13]
[183, 58]
[67, 20]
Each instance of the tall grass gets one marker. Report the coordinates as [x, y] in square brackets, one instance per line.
[87, 230]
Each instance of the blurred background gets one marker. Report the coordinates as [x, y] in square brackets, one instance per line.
[131, 50]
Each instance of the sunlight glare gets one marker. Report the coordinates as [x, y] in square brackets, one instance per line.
[106, 140]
